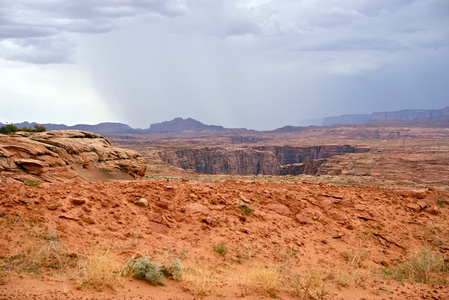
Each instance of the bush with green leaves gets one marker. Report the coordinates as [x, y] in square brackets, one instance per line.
[8, 128]
[174, 271]
[11, 128]
[152, 271]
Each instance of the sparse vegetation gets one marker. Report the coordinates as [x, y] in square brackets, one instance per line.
[99, 268]
[221, 248]
[425, 266]
[267, 279]
[246, 209]
[31, 182]
[442, 201]
[11, 128]
[200, 279]
[40, 257]
[151, 271]
[355, 256]
[8, 128]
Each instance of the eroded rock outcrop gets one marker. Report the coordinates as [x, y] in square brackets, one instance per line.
[66, 155]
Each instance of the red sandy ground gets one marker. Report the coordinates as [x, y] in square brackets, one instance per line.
[297, 227]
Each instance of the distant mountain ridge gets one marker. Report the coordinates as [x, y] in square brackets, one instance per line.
[401, 115]
[176, 125]
[102, 128]
[182, 125]
[436, 118]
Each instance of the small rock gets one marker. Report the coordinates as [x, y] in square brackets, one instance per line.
[163, 204]
[345, 203]
[88, 220]
[113, 227]
[178, 217]
[326, 204]
[77, 201]
[217, 207]
[432, 210]
[422, 204]
[158, 228]
[360, 207]
[244, 199]
[301, 219]
[142, 202]
[53, 206]
[279, 208]
[414, 207]
[196, 208]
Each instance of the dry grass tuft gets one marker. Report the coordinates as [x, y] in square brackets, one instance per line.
[41, 256]
[268, 279]
[425, 266]
[355, 256]
[312, 285]
[99, 268]
[199, 279]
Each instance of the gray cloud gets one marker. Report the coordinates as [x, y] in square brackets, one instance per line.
[251, 63]
[39, 30]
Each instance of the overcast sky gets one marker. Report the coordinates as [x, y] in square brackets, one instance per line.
[259, 64]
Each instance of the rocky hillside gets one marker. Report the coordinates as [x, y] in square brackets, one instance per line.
[65, 155]
[235, 240]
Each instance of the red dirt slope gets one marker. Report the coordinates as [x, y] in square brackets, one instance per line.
[311, 241]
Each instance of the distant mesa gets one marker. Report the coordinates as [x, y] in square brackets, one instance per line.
[402, 115]
[182, 125]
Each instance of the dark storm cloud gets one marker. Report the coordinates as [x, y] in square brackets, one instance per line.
[35, 31]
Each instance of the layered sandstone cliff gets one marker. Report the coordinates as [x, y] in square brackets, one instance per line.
[66, 155]
[267, 160]
[221, 160]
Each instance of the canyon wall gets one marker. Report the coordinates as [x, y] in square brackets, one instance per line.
[267, 160]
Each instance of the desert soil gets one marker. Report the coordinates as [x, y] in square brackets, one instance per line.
[277, 239]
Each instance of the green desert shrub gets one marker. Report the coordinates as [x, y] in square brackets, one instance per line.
[8, 128]
[174, 271]
[151, 271]
[221, 248]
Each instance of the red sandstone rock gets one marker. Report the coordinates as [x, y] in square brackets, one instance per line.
[88, 220]
[301, 219]
[279, 208]
[67, 155]
[196, 208]
[77, 201]
[414, 207]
